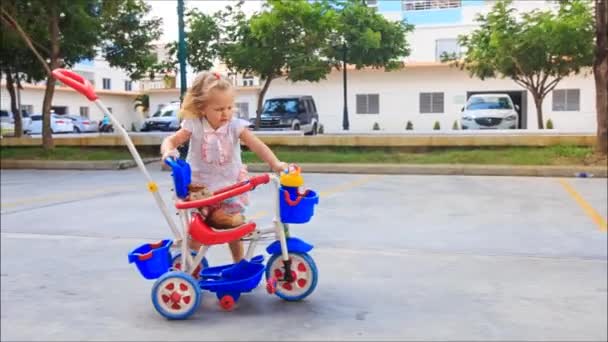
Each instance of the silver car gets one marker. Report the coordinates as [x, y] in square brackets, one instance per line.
[490, 111]
[83, 125]
[7, 118]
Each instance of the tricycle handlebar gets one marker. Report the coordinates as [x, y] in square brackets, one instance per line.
[225, 193]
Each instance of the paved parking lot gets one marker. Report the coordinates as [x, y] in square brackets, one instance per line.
[400, 258]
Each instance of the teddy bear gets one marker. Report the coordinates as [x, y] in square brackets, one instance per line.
[216, 218]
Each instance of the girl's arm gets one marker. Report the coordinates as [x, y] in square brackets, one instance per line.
[262, 151]
[169, 146]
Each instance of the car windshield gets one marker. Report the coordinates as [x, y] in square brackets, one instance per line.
[167, 111]
[494, 102]
[281, 106]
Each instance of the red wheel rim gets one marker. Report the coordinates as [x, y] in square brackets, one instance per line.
[301, 276]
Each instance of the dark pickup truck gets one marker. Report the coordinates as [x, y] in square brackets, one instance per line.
[298, 113]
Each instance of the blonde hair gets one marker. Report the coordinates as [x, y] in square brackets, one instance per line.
[198, 94]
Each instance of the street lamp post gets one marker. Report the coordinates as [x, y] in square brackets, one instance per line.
[181, 53]
[345, 123]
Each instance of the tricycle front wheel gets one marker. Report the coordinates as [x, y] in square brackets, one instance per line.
[176, 295]
[304, 276]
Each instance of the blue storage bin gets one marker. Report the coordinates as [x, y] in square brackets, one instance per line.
[294, 210]
[152, 259]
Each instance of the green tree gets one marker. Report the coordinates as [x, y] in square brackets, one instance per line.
[62, 32]
[202, 38]
[600, 71]
[536, 50]
[127, 36]
[283, 40]
[17, 63]
[369, 38]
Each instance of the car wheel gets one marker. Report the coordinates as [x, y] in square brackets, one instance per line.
[76, 129]
[314, 130]
[296, 127]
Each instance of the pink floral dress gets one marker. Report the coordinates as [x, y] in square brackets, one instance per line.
[215, 158]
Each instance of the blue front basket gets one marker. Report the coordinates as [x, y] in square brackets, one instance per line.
[181, 176]
[301, 212]
[152, 259]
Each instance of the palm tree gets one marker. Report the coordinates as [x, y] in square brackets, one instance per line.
[142, 100]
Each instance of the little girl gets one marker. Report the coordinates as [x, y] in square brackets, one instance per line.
[214, 152]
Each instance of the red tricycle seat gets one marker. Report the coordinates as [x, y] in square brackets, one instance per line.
[201, 232]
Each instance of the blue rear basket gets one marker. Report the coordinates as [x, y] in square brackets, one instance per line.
[181, 176]
[152, 259]
[301, 212]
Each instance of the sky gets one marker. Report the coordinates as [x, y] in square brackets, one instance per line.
[167, 10]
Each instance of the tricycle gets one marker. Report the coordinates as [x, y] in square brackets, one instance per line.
[182, 274]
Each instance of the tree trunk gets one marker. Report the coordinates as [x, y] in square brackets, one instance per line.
[538, 103]
[600, 71]
[47, 137]
[258, 111]
[10, 86]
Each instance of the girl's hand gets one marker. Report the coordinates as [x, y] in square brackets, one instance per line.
[174, 153]
[280, 167]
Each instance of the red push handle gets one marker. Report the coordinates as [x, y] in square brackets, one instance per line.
[76, 82]
[218, 197]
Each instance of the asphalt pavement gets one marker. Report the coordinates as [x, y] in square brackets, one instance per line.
[400, 257]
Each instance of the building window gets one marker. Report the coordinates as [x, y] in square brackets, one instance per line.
[107, 84]
[247, 81]
[368, 104]
[128, 85]
[421, 5]
[449, 47]
[566, 100]
[431, 103]
[84, 112]
[372, 4]
[242, 109]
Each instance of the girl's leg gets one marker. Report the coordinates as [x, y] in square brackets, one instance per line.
[237, 250]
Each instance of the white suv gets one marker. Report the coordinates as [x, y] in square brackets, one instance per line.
[490, 111]
[165, 119]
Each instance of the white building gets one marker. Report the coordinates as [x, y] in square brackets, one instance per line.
[425, 91]
[112, 85]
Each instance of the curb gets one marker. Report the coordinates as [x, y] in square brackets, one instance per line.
[386, 169]
[442, 169]
[72, 165]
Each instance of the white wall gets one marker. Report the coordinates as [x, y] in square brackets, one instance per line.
[399, 98]
[122, 105]
[101, 69]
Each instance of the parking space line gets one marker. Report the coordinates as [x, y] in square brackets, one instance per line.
[347, 186]
[70, 195]
[587, 208]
